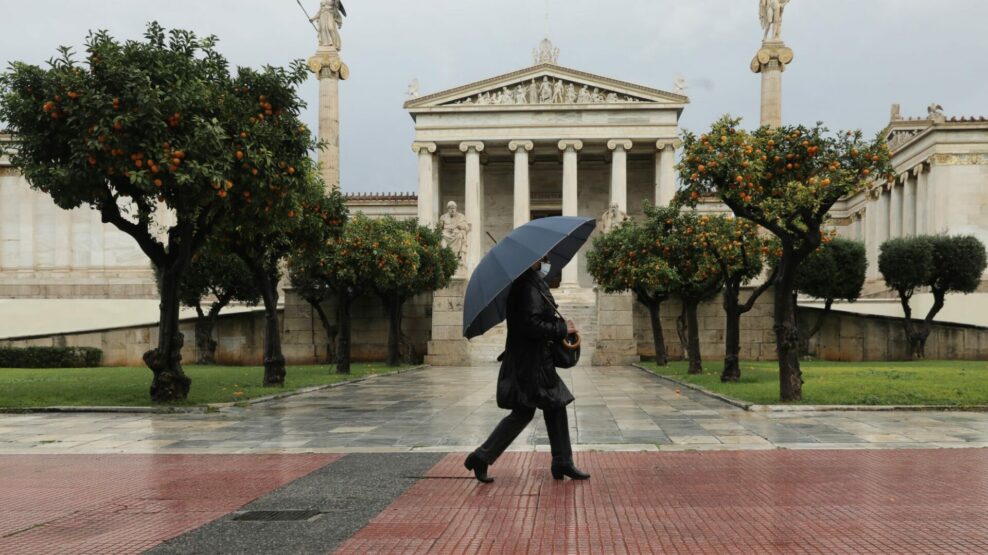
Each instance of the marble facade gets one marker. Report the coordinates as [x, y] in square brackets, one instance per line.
[941, 187]
[544, 140]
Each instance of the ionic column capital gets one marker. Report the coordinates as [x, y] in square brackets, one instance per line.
[614, 144]
[476, 146]
[418, 147]
[662, 144]
[575, 144]
[526, 145]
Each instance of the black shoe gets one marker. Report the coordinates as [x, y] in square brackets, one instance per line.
[558, 472]
[478, 467]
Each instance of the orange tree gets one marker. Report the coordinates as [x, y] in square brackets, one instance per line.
[628, 258]
[368, 255]
[740, 253]
[436, 265]
[785, 180]
[222, 277]
[305, 215]
[683, 238]
[143, 124]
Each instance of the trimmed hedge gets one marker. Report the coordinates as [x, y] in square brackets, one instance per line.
[50, 357]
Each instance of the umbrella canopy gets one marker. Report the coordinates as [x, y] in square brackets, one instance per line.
[486, 299]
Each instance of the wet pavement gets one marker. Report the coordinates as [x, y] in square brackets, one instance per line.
[453, 409]
[378, 465]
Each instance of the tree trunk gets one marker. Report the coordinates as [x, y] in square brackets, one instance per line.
[693, 336]
[681, 331]
[329, 328]
[914, 337]
[343, 348]
[274, 360]
[786, 330]
[661, 355]
[205, 345]
[732, 333]
[395, 309]
[170, 382]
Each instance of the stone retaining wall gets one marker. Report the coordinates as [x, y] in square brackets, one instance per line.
[857, 337]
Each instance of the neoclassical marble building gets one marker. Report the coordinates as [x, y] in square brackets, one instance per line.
[541, 141]
[941, 186]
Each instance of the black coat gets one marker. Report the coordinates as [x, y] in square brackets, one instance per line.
[528, 378]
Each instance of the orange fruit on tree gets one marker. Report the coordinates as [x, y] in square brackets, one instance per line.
[157, 183]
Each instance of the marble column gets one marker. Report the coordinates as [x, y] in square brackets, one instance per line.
[619, 172]
[437, 162]
[884, 222]
[872, 232]
[472, 199]
[97, 243]
[771, 60]
[922, 202]
[665, 172]
[896, 208]
[426, 190]
[522, 196]
[909, 205]
[330, 70]
[570, 148]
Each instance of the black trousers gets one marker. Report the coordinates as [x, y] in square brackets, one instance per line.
[556, 424]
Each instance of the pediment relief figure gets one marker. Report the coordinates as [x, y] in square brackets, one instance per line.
[547, 90]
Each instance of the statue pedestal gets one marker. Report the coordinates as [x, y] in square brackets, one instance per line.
[771, 60]
[616, 344]
[447, 346]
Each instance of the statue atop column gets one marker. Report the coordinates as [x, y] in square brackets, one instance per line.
[611, 218]
[329, 21]
[770, 13]
[454, 228]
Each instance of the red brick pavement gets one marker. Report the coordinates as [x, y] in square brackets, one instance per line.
[812, 502]
[129, 503]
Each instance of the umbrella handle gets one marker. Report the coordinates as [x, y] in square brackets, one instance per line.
[575, 345]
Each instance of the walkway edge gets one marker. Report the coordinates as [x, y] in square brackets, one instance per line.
[729, 400]
[754, 407]
[210, 407]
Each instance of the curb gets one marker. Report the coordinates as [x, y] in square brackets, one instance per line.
[753, 407]
[729, 400]
[294, 392]
[200, 409]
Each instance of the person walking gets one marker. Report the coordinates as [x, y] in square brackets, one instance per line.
[528, 380]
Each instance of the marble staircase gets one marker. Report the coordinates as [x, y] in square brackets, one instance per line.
[577, 304]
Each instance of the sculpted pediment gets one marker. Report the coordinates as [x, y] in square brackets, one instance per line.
[546, 84]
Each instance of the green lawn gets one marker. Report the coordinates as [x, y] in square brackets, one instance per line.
[29, 387]
[937, 382]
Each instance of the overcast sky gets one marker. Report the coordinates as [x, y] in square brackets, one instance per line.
[853, 58]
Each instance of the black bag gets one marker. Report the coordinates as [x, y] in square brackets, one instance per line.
[564, 356]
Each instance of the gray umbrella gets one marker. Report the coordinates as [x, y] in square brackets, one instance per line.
[486, 299]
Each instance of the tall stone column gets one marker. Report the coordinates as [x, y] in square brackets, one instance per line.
[922, 201]
[909, 205]
[771, 60]
[330, 70]
[570, 148]
[426, 190]
[665, 171]
[522, 197]
[473, 200]
[884, 222]
[619, 172]
[896, 208]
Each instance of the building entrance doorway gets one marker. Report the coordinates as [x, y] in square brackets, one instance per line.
[537, 214]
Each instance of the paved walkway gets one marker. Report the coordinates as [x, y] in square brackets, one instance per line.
[379, 465]
[453, 409]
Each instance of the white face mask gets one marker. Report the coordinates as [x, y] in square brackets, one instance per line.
[544, 269]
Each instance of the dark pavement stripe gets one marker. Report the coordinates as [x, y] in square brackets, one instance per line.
[350, 492]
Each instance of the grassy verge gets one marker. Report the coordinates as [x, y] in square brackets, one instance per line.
[121, 386]
[938, 382]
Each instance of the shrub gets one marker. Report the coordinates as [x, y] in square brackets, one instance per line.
[50, 357]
